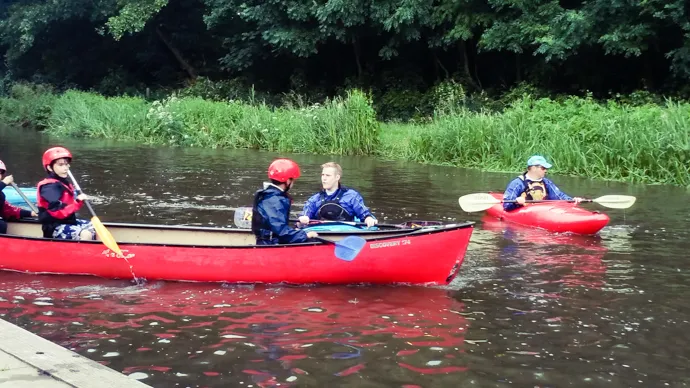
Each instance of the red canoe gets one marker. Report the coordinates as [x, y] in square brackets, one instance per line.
[203, 254]
[557, 217]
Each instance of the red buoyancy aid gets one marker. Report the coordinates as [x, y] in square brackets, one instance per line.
[67, 198]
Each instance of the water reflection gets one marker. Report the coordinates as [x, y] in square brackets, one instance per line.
[535, 309]
[167, 332]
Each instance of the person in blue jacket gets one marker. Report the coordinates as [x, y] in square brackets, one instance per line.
[533, 185]
[271, 211]
[335, 202]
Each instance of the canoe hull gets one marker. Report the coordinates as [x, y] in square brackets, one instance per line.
[556, 217]
[402, 258]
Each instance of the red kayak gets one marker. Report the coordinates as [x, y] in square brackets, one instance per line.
[556, 217]
[202, 254]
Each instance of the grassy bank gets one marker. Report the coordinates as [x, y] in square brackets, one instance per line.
[647, 143]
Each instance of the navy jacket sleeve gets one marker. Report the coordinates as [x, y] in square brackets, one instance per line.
[277, 211]
[515, 188]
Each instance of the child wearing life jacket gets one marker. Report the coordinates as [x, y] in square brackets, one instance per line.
[7, 211]
[57, 205]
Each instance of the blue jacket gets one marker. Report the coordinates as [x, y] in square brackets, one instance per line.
[351, 201]
[270, 217]
[517, 186]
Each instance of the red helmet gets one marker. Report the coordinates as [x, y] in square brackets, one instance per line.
[283, 169]
[54, 154]
[2, 167]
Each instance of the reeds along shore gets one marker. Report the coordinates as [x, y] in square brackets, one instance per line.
[648, 143]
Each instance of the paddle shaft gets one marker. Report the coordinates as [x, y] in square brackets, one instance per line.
[546, 200]
[324, 240]
[21, 194]
[348, 223]
[76, 186]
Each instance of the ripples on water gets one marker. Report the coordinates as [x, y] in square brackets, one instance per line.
[173, 333]
[529, 308]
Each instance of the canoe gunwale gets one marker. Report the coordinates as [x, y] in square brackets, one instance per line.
[372, 235]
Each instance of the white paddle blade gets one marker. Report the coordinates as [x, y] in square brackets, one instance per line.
[616, 201]
[477, 202]
[243, 217]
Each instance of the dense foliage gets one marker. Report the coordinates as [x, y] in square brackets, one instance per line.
[325, 46]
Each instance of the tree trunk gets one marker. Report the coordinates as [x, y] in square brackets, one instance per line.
[466, 64]
[518, 70]
[440, 64]
[356, 49]
[183, 63]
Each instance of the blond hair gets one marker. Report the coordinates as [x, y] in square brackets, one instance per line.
[338, 169]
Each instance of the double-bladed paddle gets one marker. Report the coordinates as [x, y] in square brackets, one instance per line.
[106, 238]
[346, 249]
[482, 201]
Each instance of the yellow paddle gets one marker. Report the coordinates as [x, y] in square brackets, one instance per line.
[483, 201]
[103, 233]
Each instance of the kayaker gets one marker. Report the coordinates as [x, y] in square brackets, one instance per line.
[336, 202]
[533, 185]
[7, 211]
[271, 210]
[57, 204]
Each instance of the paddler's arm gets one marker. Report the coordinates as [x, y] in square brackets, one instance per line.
[310, 208]
[554, 193]
[277, 211]
[356, 202]
[52, 193]
[515, 188]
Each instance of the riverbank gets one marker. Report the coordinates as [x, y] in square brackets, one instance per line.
[646, 143]
[27, 360]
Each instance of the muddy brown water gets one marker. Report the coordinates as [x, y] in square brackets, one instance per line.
[528, 309]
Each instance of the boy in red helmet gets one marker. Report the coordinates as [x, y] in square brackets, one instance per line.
[57, 205]
[7, 211]
[271, 210]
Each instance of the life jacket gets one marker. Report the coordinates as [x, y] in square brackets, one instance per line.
[262, 231]
[52, 218]
[332, 210]
[535, 191]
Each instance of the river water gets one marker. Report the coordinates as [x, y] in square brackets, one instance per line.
[528, 309]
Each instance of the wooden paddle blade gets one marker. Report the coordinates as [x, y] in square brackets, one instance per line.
[477, 202]
[616, 201]
[104, 235]
[243, 217]
[348, 248]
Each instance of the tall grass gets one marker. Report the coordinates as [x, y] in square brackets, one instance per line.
[648, 143]
[345, 126]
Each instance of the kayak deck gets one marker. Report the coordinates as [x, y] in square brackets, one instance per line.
[556, 217]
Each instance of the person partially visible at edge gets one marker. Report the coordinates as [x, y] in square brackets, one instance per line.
[336, 202]
[7, 211]
[57, 205]
[533, 185]
[271, 210]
